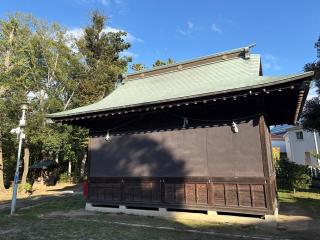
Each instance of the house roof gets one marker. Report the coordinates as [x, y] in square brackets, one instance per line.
[276, 137]
[226, 72]
[280, 129]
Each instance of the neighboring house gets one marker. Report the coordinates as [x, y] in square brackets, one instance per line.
[278, 146]
[300, 145]
[191, 135]
[277, 140]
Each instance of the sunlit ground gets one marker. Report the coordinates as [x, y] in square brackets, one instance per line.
[65, 219]
[38, 190]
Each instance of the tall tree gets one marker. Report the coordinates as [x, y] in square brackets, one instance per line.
[36, 64]
[13, 36]
[138, 67]
[101, 51]
[311, 113]
[159, 62]
[170, 61]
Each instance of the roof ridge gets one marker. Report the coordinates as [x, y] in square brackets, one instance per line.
[183, 69]
[139, 74]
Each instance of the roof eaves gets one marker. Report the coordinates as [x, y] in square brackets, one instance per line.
[284, 80]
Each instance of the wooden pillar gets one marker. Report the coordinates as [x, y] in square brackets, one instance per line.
[270, 201]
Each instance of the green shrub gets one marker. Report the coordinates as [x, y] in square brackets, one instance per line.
[28, 188]
[291, 176]
[64, 178]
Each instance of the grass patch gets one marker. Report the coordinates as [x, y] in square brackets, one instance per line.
[307, 200]
[40, 222]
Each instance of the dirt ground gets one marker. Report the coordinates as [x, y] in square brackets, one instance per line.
[39, 190]
[64, 217]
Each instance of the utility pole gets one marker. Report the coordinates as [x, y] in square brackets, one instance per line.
[316, 145]
[21, 135]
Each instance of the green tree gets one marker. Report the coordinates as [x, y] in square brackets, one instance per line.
[159, 63]
[104, 64]
[170, 61]
[311, 113]
[13, 78]
[137, 67]
[37, 65]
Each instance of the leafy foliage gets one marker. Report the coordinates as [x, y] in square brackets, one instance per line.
[104, 65]
[292, 176]
[40, 64]
[159, 63]
[310, 118]
[311, 113]
[138, 67]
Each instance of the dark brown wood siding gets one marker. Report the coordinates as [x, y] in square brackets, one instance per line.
[213, 151]
[238, 195]
[194, 168]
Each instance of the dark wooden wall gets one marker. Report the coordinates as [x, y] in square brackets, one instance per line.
[246, 195]
[196, 168]
[213, 151]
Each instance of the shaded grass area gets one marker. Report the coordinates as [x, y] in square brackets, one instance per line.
[41, 222]
[58, 220]
[307, 202]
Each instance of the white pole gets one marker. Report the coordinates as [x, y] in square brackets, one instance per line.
[22, 124]
[316, 144]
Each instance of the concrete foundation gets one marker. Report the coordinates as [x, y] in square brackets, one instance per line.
[161, 212]
[272, 218]
[206, 216]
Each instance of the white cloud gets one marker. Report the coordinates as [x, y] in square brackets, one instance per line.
[75, 33]
[215, 28]
[129, 54]
[78, 33]
[180, 31]
[104, 2]
[270, 62]
[267, 65]
[131, 38]
[119, 6]
[270, 57]
[190, 25]
[189, 29]
[107, 3]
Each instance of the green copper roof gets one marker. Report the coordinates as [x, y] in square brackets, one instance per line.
[208, 79]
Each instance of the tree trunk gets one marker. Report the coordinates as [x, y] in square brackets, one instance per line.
[83, 164]
[69, 99]
[26, 158]
[69, 168]
[57, 157]
[2, 188]
[7, 58]
[42, 102]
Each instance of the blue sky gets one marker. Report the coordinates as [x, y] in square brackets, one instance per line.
[284, 31]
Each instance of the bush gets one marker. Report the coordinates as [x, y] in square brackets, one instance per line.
[291, 176]
[28, 188]
[64, 178]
